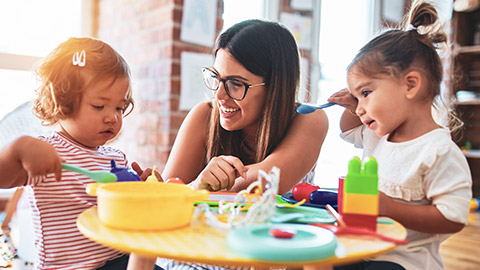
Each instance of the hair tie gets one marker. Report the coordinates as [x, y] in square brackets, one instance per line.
[411, 27]
[79, 59]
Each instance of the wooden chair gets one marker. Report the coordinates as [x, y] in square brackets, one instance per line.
[19, 122]
[11, 207]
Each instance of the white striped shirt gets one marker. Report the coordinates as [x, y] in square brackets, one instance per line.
[56, 206]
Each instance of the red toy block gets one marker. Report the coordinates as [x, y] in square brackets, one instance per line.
[359, 220]
[341, 181]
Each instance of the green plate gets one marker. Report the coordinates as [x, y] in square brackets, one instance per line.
[309, 244]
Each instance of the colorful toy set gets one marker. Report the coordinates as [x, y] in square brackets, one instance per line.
[475, 204]
[313, 195]
[123, 174]
[358, 194]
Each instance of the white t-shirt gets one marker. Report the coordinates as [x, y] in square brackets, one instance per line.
[430, 169]
[56, 206]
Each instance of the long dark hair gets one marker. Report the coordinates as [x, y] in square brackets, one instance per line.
[269, 50]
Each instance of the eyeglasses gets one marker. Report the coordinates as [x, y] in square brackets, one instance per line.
[235, 89]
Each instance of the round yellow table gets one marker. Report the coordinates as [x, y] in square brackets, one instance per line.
[200, 243]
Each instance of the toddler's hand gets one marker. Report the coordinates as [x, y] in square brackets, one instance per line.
[144, 174]
[220, 173]
[38, 157]
[345, 99]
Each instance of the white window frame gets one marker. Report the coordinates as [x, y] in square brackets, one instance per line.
[22, 62]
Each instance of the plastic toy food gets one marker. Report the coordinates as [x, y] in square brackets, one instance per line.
[474, 204]
[323, 196]
[123, 174]
[285, 233]
[152, 178]
[302, 191]
[140, 206]
[174, 180]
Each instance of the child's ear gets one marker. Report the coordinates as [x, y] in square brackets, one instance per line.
[413, 80]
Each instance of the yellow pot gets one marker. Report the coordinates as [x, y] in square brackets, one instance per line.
[144, 206]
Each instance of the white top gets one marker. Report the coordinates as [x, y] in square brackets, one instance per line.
[430, 169]
[56, 206]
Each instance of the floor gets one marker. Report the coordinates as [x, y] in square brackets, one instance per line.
[462, 250]
[8, 255]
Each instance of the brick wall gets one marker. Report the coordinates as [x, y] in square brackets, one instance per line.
[147, 34]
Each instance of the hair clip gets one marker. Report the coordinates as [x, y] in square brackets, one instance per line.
[79, 59]
[411, 27]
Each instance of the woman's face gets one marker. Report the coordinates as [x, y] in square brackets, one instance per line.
[244, 114]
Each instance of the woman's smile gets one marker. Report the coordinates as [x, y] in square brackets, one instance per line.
[226, 111]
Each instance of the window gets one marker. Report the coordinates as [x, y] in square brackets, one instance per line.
[343, 31]
[235, 11]
[30, 30]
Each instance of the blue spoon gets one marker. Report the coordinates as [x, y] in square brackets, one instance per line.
[308, 108]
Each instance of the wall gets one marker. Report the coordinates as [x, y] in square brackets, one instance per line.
[147, 34]
[306, 86]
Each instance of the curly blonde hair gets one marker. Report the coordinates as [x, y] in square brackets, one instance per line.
[63, 83]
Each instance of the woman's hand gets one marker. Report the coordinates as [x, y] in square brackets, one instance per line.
[344, 99]
[220, 173]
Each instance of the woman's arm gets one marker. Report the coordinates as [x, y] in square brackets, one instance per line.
[296, 155]
[25, 157]
[187, 158]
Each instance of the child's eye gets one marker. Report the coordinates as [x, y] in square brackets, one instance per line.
[366, 92]
[97, 107]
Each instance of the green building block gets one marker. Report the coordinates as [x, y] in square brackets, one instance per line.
[362, 181]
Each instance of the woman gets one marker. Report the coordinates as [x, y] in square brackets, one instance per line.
[251, 123]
